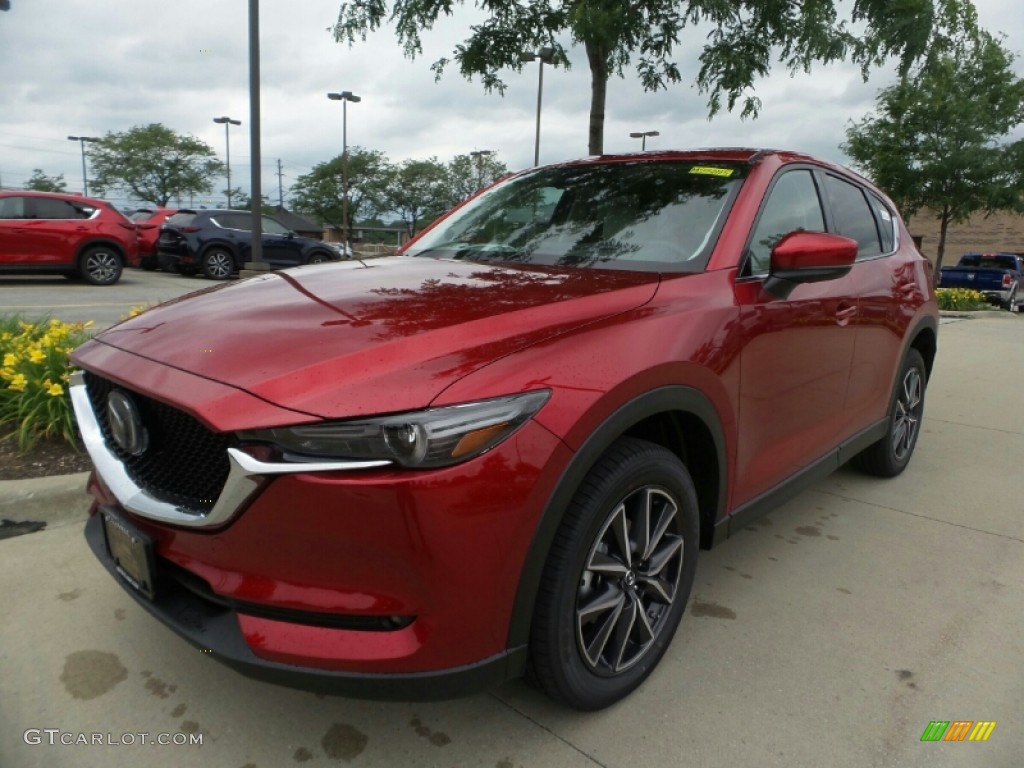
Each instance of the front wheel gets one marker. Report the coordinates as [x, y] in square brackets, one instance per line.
[100, 265]
[618, 577]
[218, 264]
[890, 455]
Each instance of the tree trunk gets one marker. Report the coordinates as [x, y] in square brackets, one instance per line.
[941, 250]
[597, 55]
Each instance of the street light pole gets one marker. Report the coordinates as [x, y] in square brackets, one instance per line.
[480, 154]
[81, 140]
[643, 136]
[344, 97]
[545, 55]
[256, 264]
[227, 122]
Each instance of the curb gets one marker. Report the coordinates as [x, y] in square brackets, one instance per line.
[51, 500]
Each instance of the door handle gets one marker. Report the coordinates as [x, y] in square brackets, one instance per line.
[845, 313]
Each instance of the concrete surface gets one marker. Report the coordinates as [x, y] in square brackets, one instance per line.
[75, 301]
[829, 636]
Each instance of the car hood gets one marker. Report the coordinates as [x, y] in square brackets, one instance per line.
[347, 340]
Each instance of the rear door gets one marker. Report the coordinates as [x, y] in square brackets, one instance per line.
[892, 281]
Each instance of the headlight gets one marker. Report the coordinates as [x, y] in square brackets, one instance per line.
[437, 437]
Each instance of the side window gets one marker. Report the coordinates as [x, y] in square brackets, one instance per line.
[886, 224]
[46, 208]
[233, 221]
[12, 207]
[853, 217]
[274, 227]
[792, 205]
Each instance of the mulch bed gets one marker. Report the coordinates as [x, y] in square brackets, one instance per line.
[47, 457]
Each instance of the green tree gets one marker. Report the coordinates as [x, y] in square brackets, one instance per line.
[744, 39]
[242, 201]
[937, 139]
[153, 163]
[319, 192]
[40, 182]
[467, 174]
[417, 191]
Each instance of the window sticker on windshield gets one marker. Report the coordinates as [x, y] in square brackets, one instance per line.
[707, 170]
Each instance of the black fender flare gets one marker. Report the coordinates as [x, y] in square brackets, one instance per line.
[660, 400]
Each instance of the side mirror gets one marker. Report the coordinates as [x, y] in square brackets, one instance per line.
[809, 257]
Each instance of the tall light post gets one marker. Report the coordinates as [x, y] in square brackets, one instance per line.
[643, 136]
[344, 97]
[227, 122]
[81, 140]
[480, 154]
[545, 55]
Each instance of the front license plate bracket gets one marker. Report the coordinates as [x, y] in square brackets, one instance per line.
[132, 553]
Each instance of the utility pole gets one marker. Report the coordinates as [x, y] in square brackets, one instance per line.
[280, 189]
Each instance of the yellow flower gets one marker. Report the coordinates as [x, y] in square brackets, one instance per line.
[18, 383]
[55, 390]
[10, 360]
[36, 355]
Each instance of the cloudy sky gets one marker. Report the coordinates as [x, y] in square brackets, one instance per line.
[69, 67]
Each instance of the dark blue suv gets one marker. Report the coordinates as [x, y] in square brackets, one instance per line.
[219, 243]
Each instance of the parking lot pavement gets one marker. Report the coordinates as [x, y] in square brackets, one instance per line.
[73, 301]
[829, 635]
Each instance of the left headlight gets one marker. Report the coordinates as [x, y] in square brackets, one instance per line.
[436, 437]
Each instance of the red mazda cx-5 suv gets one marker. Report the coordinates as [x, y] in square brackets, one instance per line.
[50, 232]
[412, 477]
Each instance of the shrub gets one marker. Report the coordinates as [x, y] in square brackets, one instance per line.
[963, 299]
[34, 375]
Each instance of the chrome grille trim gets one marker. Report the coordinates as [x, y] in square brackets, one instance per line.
[243, 477]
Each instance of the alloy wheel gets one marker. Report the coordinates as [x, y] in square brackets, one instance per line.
[219, 265]
[102, 266]
[630, 581]
[908, 414]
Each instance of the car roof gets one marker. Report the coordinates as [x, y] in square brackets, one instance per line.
[52, 195]
[748, 155]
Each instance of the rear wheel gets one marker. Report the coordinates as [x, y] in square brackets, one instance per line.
[890, 455]
[1013, 303]
[218, 264]
[100, 265]
[618, 577]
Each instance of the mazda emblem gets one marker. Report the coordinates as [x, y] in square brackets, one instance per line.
[125, 424]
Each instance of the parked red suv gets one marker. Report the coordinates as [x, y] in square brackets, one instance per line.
[502, 450]
[148, 222]
[76, 236]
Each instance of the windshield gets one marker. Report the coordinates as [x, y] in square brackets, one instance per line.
[647, 215]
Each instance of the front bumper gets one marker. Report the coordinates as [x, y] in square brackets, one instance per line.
[217, 631]
[439, 552]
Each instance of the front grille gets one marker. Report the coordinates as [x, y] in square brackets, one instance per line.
[185, 464]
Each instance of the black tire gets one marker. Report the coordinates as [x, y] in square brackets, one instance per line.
[317, 257]
[218, 264]
[890, 455]
[601, 622]
[148, 263]
[100, 265]
[1012, 304]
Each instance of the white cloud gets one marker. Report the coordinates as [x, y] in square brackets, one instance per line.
[88, 68]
